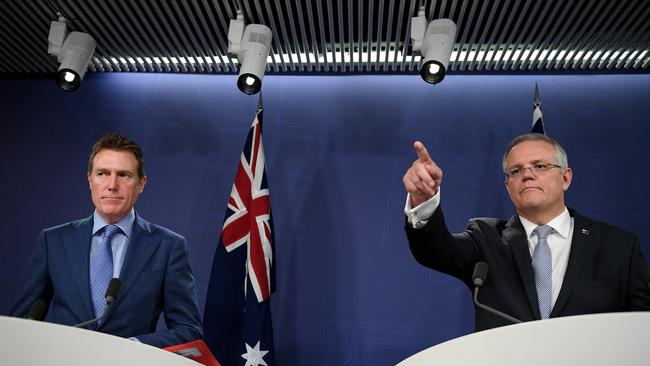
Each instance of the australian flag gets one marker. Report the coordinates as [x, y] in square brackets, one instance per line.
[237, 317]
[538, 122]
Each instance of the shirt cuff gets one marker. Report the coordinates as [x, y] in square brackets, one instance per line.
[418, 216]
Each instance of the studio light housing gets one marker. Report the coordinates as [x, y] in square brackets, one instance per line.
[73, 52]
[435, 42]
[250, 44]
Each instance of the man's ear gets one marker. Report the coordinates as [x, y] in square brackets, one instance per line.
[143, 182]
[567, 176]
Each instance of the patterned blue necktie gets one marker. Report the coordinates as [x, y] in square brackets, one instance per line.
[542, 264]
[101, 269]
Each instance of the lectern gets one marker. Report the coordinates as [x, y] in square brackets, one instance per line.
[597, 339]
[28, 343]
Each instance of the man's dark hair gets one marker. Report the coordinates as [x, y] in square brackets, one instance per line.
[115, 141]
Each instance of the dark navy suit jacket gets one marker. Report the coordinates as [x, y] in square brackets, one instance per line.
[156, 277]
[603, 273]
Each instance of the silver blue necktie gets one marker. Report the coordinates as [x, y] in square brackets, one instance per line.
[101, 269]
[542, 264]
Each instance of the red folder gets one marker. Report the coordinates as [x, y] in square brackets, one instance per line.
[196, 350]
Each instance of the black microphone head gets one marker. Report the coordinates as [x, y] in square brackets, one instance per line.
[38, 310]
[112, 289]
[480, 273]
[645, 276]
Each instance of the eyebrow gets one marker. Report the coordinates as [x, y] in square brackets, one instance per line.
[100, 170]
[534, 162]
[537, 161]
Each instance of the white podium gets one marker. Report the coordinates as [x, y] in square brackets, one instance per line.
[597, 339]
[30, 343]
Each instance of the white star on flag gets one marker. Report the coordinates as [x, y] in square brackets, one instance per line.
[254, 356]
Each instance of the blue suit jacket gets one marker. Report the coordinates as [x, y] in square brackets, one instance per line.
[156, 277]
[602, 273]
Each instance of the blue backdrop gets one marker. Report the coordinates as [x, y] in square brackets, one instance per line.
[348, 290]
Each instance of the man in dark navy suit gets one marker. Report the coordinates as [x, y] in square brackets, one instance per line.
[151, 261]
[581, 266]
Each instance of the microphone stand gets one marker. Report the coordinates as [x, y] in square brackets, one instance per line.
[111, 293]
[93, 321]
[493, 311]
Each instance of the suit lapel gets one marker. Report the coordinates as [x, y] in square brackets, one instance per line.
[142, 245]
[77, 248]
[515, 235]
[580, 246]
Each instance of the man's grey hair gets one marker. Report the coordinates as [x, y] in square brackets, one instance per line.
[560, 153]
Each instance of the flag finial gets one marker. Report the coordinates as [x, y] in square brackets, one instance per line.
[538, 122]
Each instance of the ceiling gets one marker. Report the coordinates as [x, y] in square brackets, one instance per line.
[335, 36]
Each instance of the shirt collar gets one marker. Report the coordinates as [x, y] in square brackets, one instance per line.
[560, 223]
[125, 223]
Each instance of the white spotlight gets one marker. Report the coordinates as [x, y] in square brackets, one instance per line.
[73, 51]
[251, 45]
[435, 42]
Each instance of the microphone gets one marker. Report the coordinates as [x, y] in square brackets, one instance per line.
[478, 278]
[480, 274]
[38, 310]
[111, 293]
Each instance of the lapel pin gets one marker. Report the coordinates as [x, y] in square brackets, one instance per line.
[585, 231]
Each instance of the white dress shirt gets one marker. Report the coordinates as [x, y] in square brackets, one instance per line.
[559, 241]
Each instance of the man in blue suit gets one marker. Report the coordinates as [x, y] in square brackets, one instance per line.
[68, 264]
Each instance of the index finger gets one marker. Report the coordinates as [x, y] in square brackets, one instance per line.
[423, 154]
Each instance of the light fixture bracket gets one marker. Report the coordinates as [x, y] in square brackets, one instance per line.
[418, 29]
[235, 35]
[56, 37]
